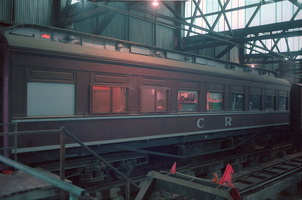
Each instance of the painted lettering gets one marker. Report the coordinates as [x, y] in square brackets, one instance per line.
[200, 123]
[228, 121]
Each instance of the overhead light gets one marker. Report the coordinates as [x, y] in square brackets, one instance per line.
[155, 3]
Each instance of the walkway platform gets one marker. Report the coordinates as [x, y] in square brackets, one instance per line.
[20, 185]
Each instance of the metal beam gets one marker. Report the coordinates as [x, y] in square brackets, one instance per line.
[86, 10]
[204, 44]
[238, 8]
[225, 17]
[296, 3]
[264, 46]
[193, 19]
[287, 45]
[253, 30]
[254, 14]
[271, 36]
[276, 45]
[295, 15]
[291, 53]
[150, 152]
[73, 137]
[202, 15]
[65, 12]
[251, 49]
[167, 5]
[257, 29]
[220, 13]
[226, 50]
[108, 17]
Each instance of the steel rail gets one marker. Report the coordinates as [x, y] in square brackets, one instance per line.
[183, 169]
[258, 185]
[279, 175]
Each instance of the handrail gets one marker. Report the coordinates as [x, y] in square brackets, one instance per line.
[30, 132]
[6, 147]
[64, 131]
[97, 156]
[72, 189]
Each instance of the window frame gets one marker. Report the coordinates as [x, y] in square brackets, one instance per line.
[156, 88]
[273, 102]
[111, 99]
[260, 102]
[243, 101]
[286, 103]
[223, 101]
[197, 104]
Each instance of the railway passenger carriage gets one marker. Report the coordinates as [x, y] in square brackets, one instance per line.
[117, 101]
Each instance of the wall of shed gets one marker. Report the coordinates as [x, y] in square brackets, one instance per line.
[5, 10]
[26, 11]
[135, 25]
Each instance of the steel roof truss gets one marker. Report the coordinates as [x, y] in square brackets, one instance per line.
[254, 14]
[193, 18]
[201, 14]
[226, 50]
[220, 13]
[167, 5]
[225, 17]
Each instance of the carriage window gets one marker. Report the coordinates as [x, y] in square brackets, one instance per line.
[214, 101]
[255, 102]
[46, 99]
[154, 100]
[269, 102]
[119, 99]
[109, 99]
[283, 103]
[237, 102]
[187, 100]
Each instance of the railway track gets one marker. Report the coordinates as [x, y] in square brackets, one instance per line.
[256, 181]
[247, 181]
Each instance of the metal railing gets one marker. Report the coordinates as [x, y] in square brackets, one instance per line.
[5, 135]
[63, 133]
[73, 190]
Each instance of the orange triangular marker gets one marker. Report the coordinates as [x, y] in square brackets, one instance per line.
[227, 176]
[173, 169]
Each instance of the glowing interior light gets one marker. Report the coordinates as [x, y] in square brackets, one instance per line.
[252, 66]
[46, 36]
[155, 3]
